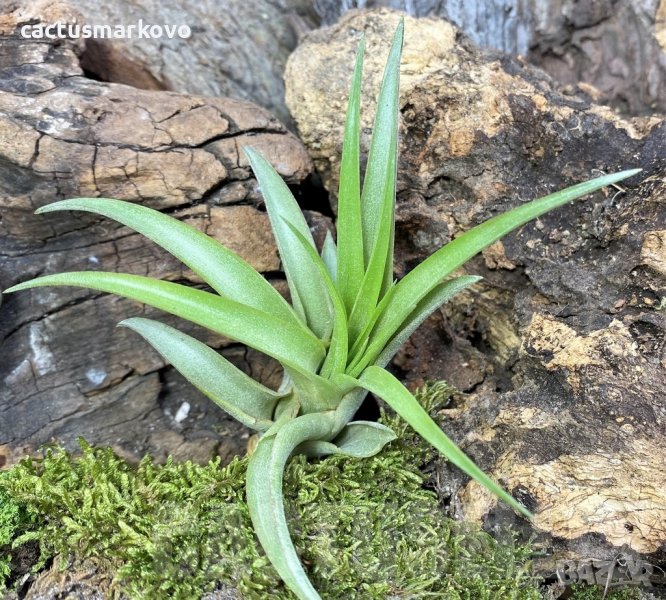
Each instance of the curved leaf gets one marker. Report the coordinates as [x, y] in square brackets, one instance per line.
[352, 398]
[351, 264]
[315, 393]
[232, 390]
[397, 396]
[378, 197]
[336, 358]
[422, 279]
[286, 410]
[226, 272]
[363, 438]
[308, 294]
[384, 343]
[329, 254]
[265, 474]
[237, 321]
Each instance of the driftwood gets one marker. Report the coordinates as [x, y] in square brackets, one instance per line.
[561, 349]
[237, 48]
[617, 46]
[66, 371]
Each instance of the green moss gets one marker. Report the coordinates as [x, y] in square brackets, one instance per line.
[9, 520]
[15, 521]
[596, 592]
[366, 529]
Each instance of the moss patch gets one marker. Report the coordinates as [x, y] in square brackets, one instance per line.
[595, 592]
[17, 554]
[365, 529]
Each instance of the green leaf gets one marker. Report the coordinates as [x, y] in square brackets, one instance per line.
[286, 410]
[363, 439]
[352, 398]
[237, 321]
[265, 474]
[232, 390]
[378, 197]
[422, 279]
[336, 359]
[390, 335]
[374, 278]
[358, 439]
[397, 396]
[315, 393]
[351, 265]
[308, 293]
[329, 254]
[227, 273]
[380, 171]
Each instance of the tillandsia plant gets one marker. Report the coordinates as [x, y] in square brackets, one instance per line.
[347, 317]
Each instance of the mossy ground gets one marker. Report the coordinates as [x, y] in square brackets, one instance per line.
[365, 529]
[593, 592]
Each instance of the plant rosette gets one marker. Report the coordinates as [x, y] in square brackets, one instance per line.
[347, 317]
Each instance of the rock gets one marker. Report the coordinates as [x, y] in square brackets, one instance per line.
[561, 349]
[613, 48]
[66, 370]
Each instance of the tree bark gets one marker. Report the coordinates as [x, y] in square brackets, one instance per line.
[237, 48]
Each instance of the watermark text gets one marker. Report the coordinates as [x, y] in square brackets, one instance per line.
[138, 30]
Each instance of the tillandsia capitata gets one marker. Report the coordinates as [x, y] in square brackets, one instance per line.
[346, 320]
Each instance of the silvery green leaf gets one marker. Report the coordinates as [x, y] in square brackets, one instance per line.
[308, 293]
[419, 282]
[227, 273]
[363, 439]
[381, 383]
[265, 474]
[351, 400]
[358, 439]
[315, 393]
[286, 410]
[378, 196]
[329, 254]
[232, 390]
[384, 343]
[350, 229]
[376, 203]
[336, 358]
[245, 324]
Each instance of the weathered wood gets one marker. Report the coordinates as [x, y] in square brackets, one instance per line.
[66, 371]
[561, 348]
[237, 48]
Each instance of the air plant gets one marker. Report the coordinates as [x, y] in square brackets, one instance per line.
[347, 317]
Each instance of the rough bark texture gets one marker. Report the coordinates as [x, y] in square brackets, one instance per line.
[616, 46]
[66, 371]
[236, 48]
[561, 349]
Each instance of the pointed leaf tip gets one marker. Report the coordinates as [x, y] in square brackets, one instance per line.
[388, 388]
[308, 294]
[226, 272]
[217, 313]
